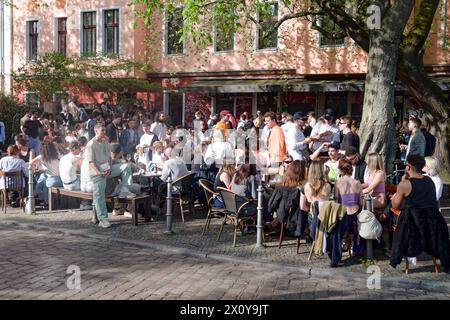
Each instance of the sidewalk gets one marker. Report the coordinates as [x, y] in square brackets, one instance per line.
[188, 240]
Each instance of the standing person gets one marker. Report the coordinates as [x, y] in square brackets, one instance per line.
[295, 139]
[276, 142]
[349, 139]
[288, 123]
[218, 151]
[98, 161]
[106, 107]
[112, 129]
[90, 124]
[259, 120]
[159, 127]
[145, 143]
[130, 138]
[432, 169]
[24, 151]
[311, 119]
[73, 109]
[324, 131]
[198, 117]
[212, 120]
[2, 133]
[31, 129]
[417, 142]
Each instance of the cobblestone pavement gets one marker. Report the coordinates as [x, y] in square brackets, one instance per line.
[188, 236]
[35, 262]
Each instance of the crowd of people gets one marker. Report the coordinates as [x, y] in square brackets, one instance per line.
[302, 161]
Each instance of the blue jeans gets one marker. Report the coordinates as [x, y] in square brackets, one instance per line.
[44, 182]
[34, 144]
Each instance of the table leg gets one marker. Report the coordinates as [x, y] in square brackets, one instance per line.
[134, 212]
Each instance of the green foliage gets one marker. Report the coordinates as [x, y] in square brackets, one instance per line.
[10, 113]
[53, 72]
[368, 262]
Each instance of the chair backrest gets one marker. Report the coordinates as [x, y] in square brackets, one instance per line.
[12, 180]
[184, 183]
[229, 199]
[208, 187]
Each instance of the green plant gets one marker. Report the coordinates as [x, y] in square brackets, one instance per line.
[368, 262]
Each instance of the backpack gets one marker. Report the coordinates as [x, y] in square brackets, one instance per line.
[368, 225]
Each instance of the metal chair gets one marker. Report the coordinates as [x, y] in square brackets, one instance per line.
[182, 192]
[234, 205]
[212, 211]
[12, 181]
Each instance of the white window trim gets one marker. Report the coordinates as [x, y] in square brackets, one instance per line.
[98, 31]
[103, 35]
[256, 32]
[444, 41]
[27, 48]
[215, 42]
[166, 39]
[32, 92]
[55, 32]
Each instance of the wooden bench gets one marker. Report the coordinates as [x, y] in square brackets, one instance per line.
[135, 202]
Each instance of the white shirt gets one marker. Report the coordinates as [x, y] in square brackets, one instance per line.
[319, 128]
[287, 126]
[146, 139]
[438, 184]
[159, 129]
[217, 151]
[293, 138]
[67, 168]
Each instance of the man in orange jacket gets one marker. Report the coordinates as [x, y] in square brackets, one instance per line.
[276, 143]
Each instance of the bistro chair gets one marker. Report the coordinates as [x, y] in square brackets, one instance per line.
[213, 212]
[234, 207]
[181, 193]
[12, 181]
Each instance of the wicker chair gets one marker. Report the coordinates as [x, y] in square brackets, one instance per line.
[213, 212]
[12, 181]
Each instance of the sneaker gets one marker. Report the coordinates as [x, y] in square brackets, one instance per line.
[85, 207]
[117, 212]
[104, 223]
[128, 214]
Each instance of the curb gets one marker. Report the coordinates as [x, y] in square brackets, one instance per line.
[335, 274]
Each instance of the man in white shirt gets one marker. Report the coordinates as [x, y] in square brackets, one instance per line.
[218, 150]
[69, 165]
[295, 139]
[288, 123]
[145, 143]
[324, 131]
[159, 127]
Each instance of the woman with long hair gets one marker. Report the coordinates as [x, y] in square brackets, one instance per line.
[223, 179]
[375, 183]
[317, 188]
[49, 162]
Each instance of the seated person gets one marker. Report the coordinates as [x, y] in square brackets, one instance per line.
[158, 156]
[69, 165]
[375, 183]
[12, 163]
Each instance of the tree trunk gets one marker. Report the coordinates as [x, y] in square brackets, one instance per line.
[377, 124]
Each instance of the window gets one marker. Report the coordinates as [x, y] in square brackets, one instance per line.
[224, 36]
[62, 36]
[32, 40]
[111, 32]
[333, 35]
[445, 24]
[89, 35]
[32, 99]
[174, 33]
[267, 34]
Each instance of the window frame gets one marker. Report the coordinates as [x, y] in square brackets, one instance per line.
[215, 34]
[166, 35]
[105, 28]
[27, 94]
[59, 34]
[29, 56]
[83, 51]
[258, 29]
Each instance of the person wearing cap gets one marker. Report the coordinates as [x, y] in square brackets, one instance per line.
[276, 142]
[295, 140]
[325, 131]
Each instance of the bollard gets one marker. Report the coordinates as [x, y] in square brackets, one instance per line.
[260, 218]
[169, 214]
[30, 205]
[368, 203]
